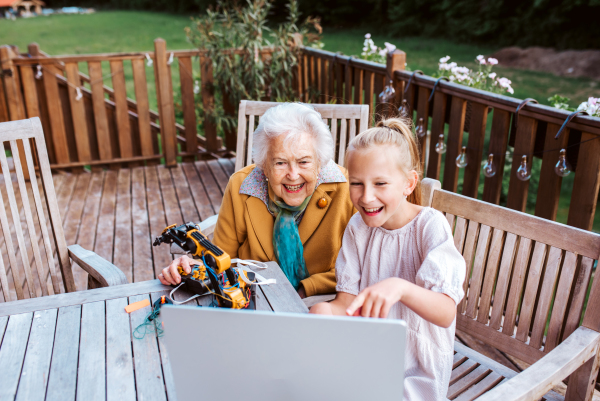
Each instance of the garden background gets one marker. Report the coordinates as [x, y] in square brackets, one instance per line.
[462, 35]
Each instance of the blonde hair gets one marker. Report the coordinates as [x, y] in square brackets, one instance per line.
[396, 132]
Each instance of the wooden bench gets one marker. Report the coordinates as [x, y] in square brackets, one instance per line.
[526, 287]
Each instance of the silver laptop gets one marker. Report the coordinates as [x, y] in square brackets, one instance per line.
[222, 354]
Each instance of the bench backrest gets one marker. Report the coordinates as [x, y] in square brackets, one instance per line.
[32, 241]
[527, 277]
[344, 120]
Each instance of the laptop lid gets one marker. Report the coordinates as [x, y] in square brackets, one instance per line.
[223, 354]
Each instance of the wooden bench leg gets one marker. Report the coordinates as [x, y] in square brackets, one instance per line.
[583, 380]
[93, 283]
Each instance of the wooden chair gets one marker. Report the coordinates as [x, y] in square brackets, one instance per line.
[526, 286]
[344, 121]
[36, 225]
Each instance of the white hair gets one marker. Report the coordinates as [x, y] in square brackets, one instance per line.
[292, 120]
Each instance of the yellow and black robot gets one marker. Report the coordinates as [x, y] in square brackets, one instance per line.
[214, 273]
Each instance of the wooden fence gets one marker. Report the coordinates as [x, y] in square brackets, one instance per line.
[456, 109]
[89, 123]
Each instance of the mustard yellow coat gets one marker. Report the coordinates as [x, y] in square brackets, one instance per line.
[245, 229]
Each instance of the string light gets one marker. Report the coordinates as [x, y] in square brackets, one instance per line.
[461, 160]
[563, 167]
[149, 62]
[38, 74]
[196, 87]
[440, 147]
[420, 131]
[79, 94]
[489, 168]
[388, 94]
[170, 61]
[403, 109]
[524, 172]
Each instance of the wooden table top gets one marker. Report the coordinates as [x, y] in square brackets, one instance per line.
[80, 345]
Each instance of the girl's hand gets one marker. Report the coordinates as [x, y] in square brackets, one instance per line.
[378, 299]
[170, 274]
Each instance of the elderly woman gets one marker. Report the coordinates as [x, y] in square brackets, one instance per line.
[292, 206]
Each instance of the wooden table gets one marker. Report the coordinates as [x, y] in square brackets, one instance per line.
[80, 345]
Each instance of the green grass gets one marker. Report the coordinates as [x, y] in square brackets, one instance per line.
[129, 31]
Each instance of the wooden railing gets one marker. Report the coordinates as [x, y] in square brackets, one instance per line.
[100, 126]
[87, 123]
[456, 109]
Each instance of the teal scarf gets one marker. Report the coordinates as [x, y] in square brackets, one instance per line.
[288, 247]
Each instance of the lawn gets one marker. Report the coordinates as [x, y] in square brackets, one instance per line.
[124, 31]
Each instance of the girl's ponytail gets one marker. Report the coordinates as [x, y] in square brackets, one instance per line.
[398, 132]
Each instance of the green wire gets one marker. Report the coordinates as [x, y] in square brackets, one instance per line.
[149, 326]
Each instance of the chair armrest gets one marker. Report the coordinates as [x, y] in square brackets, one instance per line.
[539, 378]
[315, 299]
[99, 268]
[207, 226]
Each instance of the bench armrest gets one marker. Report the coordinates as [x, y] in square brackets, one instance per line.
[99, 268]
[539, 378]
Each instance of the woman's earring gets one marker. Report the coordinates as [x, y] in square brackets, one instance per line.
[267, 178]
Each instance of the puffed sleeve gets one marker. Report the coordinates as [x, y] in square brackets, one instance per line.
[347, 265]
[443, 268]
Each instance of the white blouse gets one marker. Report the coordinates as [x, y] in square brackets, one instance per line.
[423, 253]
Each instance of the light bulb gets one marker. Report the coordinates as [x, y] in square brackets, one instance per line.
[38, 74]
[388, 94]
[523, 172]
[563, 167]
[440, 147]
[461, 160]
[196, 87]
[489, 168]
[403, 109]
[420, 131]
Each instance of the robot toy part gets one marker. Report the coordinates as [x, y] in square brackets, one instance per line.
[213, 272]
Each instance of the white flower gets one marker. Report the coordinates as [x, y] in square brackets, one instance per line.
[452, 78]
[582, 106]
[444, 60]
[368, 36]
[389, 47]
[480, 57]
[510, 90]
[383, 52]
[492, 61]
[482, 61]
[460, 70]
[452, 65]
[492, 75]
[592, 101]
[504, 82]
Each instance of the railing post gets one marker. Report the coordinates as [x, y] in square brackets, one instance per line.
[166, 107]
[14, 98]
[208, 103]
[396, 60]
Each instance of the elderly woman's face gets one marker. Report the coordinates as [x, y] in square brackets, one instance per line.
[292, 174]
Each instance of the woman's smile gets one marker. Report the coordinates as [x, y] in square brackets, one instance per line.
[293, 188]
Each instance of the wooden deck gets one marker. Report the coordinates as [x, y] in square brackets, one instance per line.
[118, 213]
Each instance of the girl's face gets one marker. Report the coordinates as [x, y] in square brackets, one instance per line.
[378, 186]
[292, 173]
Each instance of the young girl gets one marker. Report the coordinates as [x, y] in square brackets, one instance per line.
[398, 259]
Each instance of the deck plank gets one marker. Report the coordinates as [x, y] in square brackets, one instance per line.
[199, 194]
[172, 208]
[142, 253]
[186, 202]
[123, 252]
[212, 188]
[105, 231]
[160, 254]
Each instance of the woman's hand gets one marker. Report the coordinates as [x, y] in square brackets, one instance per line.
[170, 274]
[378, 299]
[301, 292]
